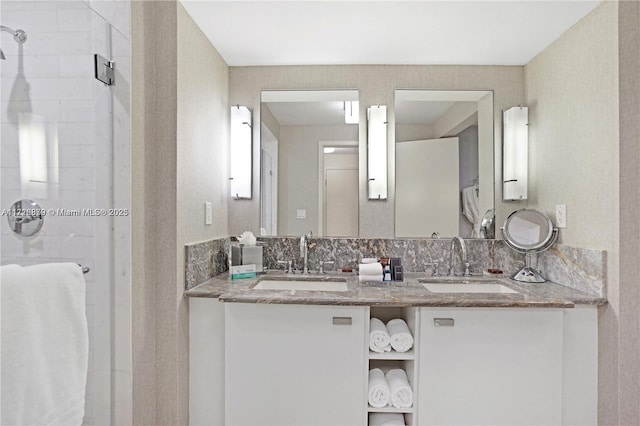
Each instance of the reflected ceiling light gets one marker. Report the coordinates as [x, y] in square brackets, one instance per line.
[33, 149]
[241, 153]
[329, 150]
[351, 112]
[515, 148]
[377, 152]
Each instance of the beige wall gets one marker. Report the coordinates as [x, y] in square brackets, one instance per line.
[202, 159]
[584, 154]
[629, 291]
[153, 221]
[298, 173]
[376, 85]
[414, 132]
[179, 116]
[571, 91]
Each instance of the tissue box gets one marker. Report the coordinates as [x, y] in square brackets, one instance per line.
[242, 271]
[247, 255]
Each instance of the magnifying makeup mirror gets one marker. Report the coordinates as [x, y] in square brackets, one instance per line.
[530, 232]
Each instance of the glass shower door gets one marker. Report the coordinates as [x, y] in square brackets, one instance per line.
[59, 141]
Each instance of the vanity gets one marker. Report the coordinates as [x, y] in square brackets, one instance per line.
[293, 349]
[294, 353]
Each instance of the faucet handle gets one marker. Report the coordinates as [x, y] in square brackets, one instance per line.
[324, 262]
[434, 271]
[467, 269]
[288, 263]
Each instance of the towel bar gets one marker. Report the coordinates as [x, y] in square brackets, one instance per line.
[85, 269]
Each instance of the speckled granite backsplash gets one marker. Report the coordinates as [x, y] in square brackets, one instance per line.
[578, 268]
[415, 253]
[581, 269]
[205, 260]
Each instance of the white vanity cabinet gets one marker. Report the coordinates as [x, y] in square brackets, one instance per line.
[485, 366]
[295, 364]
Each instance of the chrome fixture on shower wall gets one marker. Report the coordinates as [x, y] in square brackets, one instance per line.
[20, 36]
[104, 70]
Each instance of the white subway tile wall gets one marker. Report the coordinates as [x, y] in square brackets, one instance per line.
[87, 133]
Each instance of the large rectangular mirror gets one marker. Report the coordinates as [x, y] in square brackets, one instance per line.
[309, 163]
[444, 163]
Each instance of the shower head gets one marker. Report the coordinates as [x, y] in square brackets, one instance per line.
[18, 35]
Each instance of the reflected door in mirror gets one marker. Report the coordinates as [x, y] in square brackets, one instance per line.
[427, 187]
[341, 195]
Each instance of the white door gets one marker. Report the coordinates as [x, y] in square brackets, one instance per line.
[294, 364]
[341, 205]
[427, 188]
[490, 366]
[339, 192]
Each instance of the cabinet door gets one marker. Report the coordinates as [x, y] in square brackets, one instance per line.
[490, 367]
[294, 364]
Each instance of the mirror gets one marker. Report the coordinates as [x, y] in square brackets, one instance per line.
[444, 162]
[309, 163]
[529, 231]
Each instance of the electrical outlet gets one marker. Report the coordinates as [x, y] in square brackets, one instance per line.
[301, 214]
[208, 214]
[561, 216]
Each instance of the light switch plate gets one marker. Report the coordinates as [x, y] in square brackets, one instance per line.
[208, 214]
[561, 216]
[301, 214]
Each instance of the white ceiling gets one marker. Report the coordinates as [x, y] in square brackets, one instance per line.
[297, 32]
[307, 113]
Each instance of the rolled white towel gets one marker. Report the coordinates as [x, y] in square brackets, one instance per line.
[400, 336]
[370, 268]
[378, 336]
[379, 392]
[401, 392]
[386, 419]
[376, 278]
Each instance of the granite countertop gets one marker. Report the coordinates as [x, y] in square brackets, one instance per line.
[409, 292]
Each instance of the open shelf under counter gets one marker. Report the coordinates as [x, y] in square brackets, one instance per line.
[393, 355]
[371, 409]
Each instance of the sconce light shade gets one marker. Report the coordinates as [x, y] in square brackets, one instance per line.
[515, 148]
[241, 175]
[377, 151]
[351, 112]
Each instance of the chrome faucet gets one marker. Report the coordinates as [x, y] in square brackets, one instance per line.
[304, 251]
[463, 252]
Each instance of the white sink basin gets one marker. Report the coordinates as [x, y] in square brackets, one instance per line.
[303, 285]
[468, 288]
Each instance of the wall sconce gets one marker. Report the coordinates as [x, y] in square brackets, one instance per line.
[241, 169]
[351, 112]
[515, 146]
[377, 151]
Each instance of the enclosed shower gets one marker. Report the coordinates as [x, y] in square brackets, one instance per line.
[65, 148]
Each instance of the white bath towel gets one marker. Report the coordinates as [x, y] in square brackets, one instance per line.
[379, 392]
[386, 419]
[378, 336]
[376, 278]
[400, 336]
[471, 209]
[370, 268]
[45, 344]
[401, 392]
